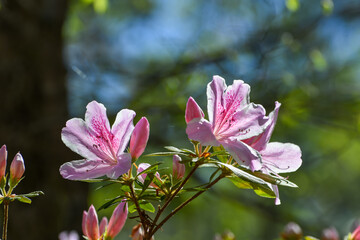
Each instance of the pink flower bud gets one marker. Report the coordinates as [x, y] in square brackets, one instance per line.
[356, 234]
[103, 225]
[330, 234]
[139, 138]
[17, 168]
[141, 178]
[91, 224]
[117, 220]
[3, 157]
[192, 110]
[83, 225]
[292, 231]
[137, 232]
[178, 168]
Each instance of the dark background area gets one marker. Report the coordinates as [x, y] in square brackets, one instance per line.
[150, 56]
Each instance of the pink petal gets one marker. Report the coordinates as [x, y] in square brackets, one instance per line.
[178, 168]
[243, 154]
[76, 136]
[84, 221]
[192, 110]
[84, 169]
[122, 128]
[103, 225]
[246, 123]
[117, 219]
[3, 158]
[214, 92]
[275, 188]
[259, 142]
[139, 138]
[123, 166]
[356, 233]
[201, 130]
[17, 167]
[281, 157]
[141, 178]
[92, 225]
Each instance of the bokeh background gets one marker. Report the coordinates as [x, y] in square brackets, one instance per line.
[150, 56]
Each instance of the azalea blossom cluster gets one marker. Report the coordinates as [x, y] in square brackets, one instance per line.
[234, 140]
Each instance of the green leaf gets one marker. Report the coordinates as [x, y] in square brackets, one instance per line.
[240, 183]
[161, 154]
[147, 206]
[263, 190]
[221, 153]
[33, 194]
[242, 174]
[259, 189]
[23, 199]
[277, 180]
[111, 202]
[131, 208]
[149, 178]
[173, 149]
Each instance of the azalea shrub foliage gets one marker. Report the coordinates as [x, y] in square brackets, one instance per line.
[233, 141]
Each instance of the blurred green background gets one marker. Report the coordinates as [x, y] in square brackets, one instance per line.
[150, 56]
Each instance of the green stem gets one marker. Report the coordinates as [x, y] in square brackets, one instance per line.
[161, 209]
[185, 203]
[6, 217]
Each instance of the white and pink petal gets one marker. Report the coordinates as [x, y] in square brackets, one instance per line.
[281, 157]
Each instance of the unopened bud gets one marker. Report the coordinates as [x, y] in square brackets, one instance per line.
[17, 169]
[178, 168]
[139, 138]
[292, 231]
[330, 234]
[3, 157]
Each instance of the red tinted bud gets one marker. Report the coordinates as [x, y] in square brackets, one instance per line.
[292, 231]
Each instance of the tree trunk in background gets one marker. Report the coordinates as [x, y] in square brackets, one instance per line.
[33, 109]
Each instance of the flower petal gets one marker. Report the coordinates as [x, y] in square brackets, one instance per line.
[259, 142]
[122, 128]
[103, 225]
[214, 92]
[281, 157]
[243, 153]
[84, 169]
[246, 123]
[201, 130]
[139, 138]
[123, 165]
[76, 136]
[92, 225]
[192, 110]
[83, 225]
[117, 219]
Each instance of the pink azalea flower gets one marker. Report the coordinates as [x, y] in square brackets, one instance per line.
[232, 118]
[102, 147]
[276, 157]
[93, 231]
